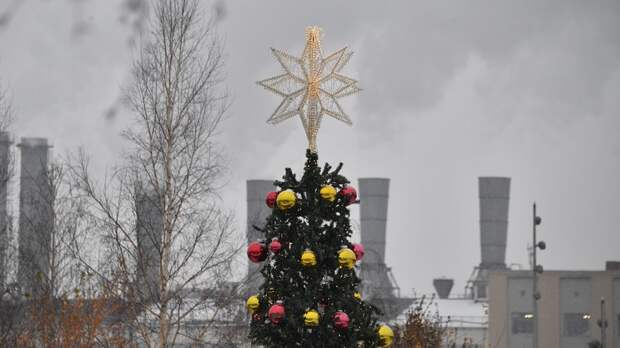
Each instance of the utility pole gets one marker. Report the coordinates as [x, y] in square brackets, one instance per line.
[602, 323]
[536, 269]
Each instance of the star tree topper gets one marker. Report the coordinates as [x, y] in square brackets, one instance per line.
[311, 86]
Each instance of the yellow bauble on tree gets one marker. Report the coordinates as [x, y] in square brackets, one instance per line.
[357, 296]
[308, 258]
[386, 335]
[253, 303]
[328, 193]
[346, 258]
[311, 318]
[286, 200]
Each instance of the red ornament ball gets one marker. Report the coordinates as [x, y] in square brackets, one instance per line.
[257, 252]
[276, 313]
[275, 246]
[341, 320]
[349, 193]
[270, 200]
[358, 249]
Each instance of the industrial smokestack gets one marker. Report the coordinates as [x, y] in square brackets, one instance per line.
[373, 216]
[257, 213]
[494, 195]
[35, 214]
[149, 233]
[443, 286]
[5, 159]
[379, 286]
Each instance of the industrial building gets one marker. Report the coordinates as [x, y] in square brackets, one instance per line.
[570, 307]
[497, 308]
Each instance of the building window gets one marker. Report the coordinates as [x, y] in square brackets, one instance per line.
[576, 324]
[522, 323]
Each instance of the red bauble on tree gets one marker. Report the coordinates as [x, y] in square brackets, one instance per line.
[276, 313]
[349, 193]
[270, 200]
[275, 246]
[257, 252]
[341, 320]
[358, 249]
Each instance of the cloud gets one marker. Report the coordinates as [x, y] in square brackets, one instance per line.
[527, 89]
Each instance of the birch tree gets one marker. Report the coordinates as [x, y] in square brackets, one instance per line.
[162, 226]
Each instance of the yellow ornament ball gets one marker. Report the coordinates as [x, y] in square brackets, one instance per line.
[328, 193]
[308, 258]
[311, 318]
[346, 258]
[253, 303]
[357, 296]
[286, 200]
[386, 335]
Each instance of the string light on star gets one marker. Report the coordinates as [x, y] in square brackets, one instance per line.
[311, 86]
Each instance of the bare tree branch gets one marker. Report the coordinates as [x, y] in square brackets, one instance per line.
[158, 214]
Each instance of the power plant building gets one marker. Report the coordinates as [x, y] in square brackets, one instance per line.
[569, 308]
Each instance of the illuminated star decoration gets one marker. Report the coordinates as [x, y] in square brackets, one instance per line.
[311, 86]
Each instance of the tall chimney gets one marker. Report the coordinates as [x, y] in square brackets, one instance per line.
[36, 218]
[257, 213]
[149, 234]
[379, 286]
[494, 195]
[373, 216]
[5, 161]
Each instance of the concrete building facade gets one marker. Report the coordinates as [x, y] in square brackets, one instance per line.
[36, 218]
[569, 308]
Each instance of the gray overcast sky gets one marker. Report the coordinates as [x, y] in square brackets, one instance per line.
[452, 90]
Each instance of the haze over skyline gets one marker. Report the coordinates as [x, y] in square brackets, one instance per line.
[452, 91]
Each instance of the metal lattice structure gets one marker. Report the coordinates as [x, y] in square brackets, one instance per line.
[311, 85]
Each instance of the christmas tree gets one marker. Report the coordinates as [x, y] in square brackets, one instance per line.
[310, 295]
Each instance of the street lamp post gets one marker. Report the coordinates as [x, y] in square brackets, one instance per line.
[536, 269]
[602, 323]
